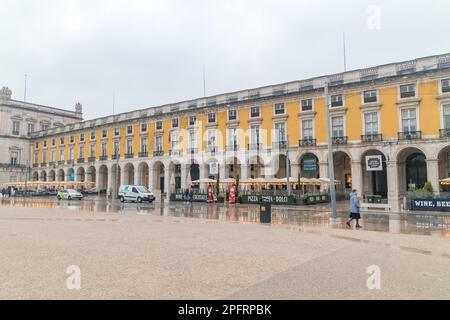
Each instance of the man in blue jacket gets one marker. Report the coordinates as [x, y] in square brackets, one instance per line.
[354, 209]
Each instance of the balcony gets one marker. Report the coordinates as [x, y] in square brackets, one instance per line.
[371, 138]
[410, 135]
[70, 162]
[192, 150]
[255, 146]
[80, 160]
[12, 166]
[143, 154]
[35, 165]
[444, 133]
[61, 162]
[158, 153]
[91, 159]
[115, 157]
[339, 140]
[52, 164]
[233, 147]
[174, 152]
[129, 155]
[43, 165]
[307, 143]
[279, 145]
[103, 158]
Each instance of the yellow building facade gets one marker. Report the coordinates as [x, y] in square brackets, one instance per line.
[398, 113]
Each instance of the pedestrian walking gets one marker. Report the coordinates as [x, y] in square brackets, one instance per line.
[355, 206]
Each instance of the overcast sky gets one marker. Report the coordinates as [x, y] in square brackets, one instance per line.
[152, 52]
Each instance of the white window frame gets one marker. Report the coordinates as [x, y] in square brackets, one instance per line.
[144, 144]
[159, 138]
[276, 136]
[343, 124]
[17, 160]
[441, 87]
[343, 100]
[400, 119]
[364, 121]
[377, 96]
[416, 89]
[312, 105]
[228, 115]
[302, 135]
[14, 132]
[253, 136]
[275, 109]
[129, 145]
[443, 105]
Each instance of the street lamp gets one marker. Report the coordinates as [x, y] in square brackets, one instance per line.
[330, 154]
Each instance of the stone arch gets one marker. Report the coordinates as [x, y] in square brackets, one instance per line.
[342, 162]
[256, 167]
[158, 174]
[80, 174]
[143, 174]
[374, 182]
[70, 174]
[128, 173]
[43, 176]
[51, 176]
[91, 174]
[35, 176]
[412, 168]
[61, 175]
[102, 183]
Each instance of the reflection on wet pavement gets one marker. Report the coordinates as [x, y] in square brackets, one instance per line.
[433, 225]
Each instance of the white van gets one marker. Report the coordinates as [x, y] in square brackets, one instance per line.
[135, 194]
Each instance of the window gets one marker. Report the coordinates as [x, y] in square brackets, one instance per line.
[254, 112]
[71, 154]
[61, 141]
[103, 149]
[129, 129]
[16, 128]
[53, 142]
[370, 96]
[232, 115]
[52, 156]
[158, 144]
[92, 150]
[175, 123]
[159, 125]
[408, 91]
[143, 127]
[279, 108]
[36, 156]
[174, 140]
[129, 146]
[211, 117]
[61, 154]
[116, 132]
[371, 123]
[36, 145]
[445, 84]
[72, 139]
[337, 125]
[409, 123]
[336, 101]
[280, 132]
[104, 133]
[44, 127]
[307, 129]
[81, 137]
[192, 120]
[14, 158]
[116, 149]
[307, 105]
[30, 129]
[192, 140]
[232, 136]
[92, 135]
[45, 143]
[81, 154]
[143, 145]
[446, 115]
[255, 135]
[211, 139]
[44, 156]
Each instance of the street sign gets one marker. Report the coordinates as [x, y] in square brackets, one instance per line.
[374, 163]
[214, 168]
[310, 165]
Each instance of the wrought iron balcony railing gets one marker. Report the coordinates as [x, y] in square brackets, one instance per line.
[192, 150]
[174, 152]
[43, 164]
[158, 153]
[52, 164]
[80, 160]
[339, 140]
[61, 162]
[91, 159]
[255, 146]
[233, 147]
[103, 158]
[307, 143]
[445, 133]
[279, 145]
[35, 165]
[372, 138]
[129, 155]
[410, 135]
[115, 157]
[143, 154]
[211, 149]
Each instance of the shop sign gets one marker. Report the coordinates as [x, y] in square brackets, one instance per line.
[374, 163]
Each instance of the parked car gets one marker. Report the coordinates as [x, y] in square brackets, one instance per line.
[135, 194]
[91, 191]
[69, 194]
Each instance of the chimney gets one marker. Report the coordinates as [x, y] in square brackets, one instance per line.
[5, 93]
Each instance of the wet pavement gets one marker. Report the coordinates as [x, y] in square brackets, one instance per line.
[437, 225]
